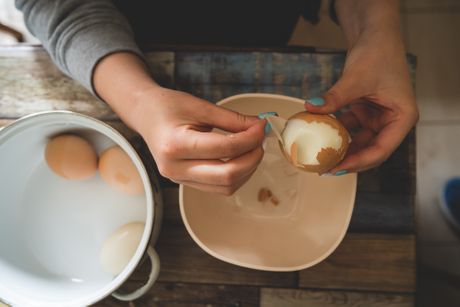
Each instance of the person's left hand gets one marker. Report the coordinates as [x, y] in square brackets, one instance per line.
[375, 84]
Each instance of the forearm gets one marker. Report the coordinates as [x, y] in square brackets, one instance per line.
[369, 20]
[78, 33]
[120, 79]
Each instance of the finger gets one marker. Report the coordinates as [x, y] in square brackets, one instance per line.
[220, 189]
[379, 150]
[225, 119]
[192, 144]
[361, 140]
[217, 172]
[349, 121]
[344, 92]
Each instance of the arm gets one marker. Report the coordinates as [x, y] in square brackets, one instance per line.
[375, 83]
[78, 33]
[92, 42]
[177, 127]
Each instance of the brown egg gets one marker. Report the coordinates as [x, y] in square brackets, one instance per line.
[119, 171]
[314, 142]
[71, 157]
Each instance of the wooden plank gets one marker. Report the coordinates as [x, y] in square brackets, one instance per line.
[30, 82]
[171, 211]
[215, 75]
[184, 261]
[366, 262]
[195, 295]
[396, 175]
[383, 213]
[312, 298]
[161, 64]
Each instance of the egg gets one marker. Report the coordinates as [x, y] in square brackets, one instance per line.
[71, 157]
[120, 246]
[314, 142]
[118, 170]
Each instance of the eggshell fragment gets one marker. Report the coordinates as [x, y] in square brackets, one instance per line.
[119, 171]
[71, 157]
[118, 249]
[314, 142]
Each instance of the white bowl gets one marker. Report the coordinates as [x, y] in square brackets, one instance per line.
[306, 226]
[52, 229]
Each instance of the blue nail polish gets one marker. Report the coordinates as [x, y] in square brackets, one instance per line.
[341, 172]
[316, 101]
[267, 125]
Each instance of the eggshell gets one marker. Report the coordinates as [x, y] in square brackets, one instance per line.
[118, 170]
[71, 157]
[327, 135]
[118, 249]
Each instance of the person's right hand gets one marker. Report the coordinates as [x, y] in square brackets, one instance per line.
[178, 130]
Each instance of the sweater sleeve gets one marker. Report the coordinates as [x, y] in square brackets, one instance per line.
[78, 33]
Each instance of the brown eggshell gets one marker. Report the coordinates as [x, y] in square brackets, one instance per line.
[71, 157]
[118, 170]
[328, 157]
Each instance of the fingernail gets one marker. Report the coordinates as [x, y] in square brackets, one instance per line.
[316, 101]
[326, 175]
[341, 172]
[267, 125]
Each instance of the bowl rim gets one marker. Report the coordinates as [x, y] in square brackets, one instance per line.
[331, 249]
[83, 119]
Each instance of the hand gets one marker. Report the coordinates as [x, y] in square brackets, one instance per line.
[177, 128]
[376, 87]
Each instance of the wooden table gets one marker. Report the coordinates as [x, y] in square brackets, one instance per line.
[374, 265]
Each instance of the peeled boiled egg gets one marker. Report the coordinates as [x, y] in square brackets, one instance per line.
[118, 249]
[71, 157]
[118, 170]
[314, 142]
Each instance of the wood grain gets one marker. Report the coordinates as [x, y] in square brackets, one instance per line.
[31, 83]
[193, 295]
[312, 298]
[184, 261]
[214, 76]
[396, 175]
[383, 213]
[366, 262]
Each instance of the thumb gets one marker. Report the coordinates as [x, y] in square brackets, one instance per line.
[229, 120]
[341, 94]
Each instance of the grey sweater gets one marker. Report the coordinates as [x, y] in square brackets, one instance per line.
[78, 33]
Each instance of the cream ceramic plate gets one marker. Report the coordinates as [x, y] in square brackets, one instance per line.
[305, 227]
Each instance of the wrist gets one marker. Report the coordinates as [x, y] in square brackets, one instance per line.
[121, 79]
[146, 110]
[368, 20]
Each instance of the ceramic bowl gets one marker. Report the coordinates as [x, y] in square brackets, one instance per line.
[52, 229]
[308, 223]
